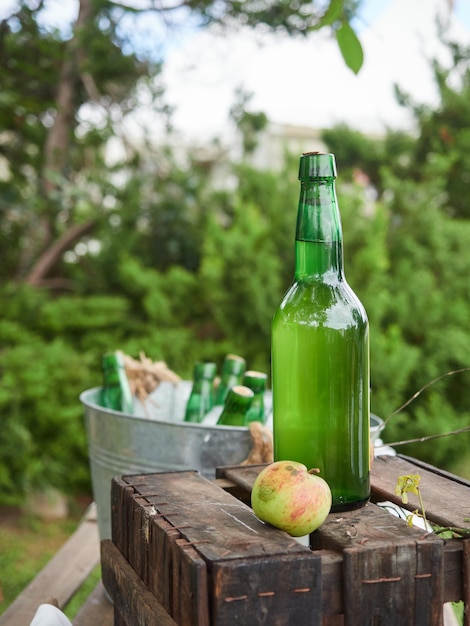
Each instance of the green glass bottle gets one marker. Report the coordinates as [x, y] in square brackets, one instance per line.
[116, 392]
[320, 349]
[256, 381]
[201, 399]
[233, 369]
[236, 405]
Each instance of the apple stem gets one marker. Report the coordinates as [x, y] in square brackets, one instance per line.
[314, 470]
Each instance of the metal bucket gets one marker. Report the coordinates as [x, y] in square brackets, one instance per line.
[120, 443]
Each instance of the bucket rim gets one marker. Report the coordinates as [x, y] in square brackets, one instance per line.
[379, 423]
[84, 398]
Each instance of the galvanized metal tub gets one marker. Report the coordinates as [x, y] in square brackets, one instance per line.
[120, 443]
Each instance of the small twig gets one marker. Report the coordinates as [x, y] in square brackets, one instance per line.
[465, 429]
[415, 395]
[423, 511]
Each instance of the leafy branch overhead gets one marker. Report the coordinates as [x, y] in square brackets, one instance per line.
[99, 69]
[302, 17]
[338, 15]
[350, 46]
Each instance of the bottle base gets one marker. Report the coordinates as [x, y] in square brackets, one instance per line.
[348, 506]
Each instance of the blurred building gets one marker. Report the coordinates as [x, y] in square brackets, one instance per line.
[277, 140]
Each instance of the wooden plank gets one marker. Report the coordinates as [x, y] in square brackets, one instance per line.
[332, 569]
[160, 556]
[220, 525]
[371, 525]
[97, 610]
[120, 493]
[241, 475]
[278, 590]
[333, 583]
[133, 602]
[62, 575]
[389, 568]
[466, 581]
[401, 583]
[190, 585]
[140, 514]
[454, 573]
[447, 502]
[435, 470]
[378, 582]
[187, 510]
[429, 584]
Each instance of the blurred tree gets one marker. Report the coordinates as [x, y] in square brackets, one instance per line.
[439, 146]
[249, 124]
[63, 97]
[442, 147]
[418, 307]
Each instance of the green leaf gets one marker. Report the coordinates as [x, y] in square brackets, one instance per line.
[332, 13]
[350, 47]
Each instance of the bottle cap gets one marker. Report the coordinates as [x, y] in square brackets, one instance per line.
[112, 360]
[255, 380]
[317, 165]
[241, 391]
[233, 364]
[205, 370]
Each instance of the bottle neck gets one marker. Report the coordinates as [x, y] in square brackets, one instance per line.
[318, 241]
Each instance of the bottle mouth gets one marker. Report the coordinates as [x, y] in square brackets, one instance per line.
[242, 390]
[317, 165]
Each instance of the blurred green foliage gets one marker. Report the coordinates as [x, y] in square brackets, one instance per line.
[405, 257]
[186, 259]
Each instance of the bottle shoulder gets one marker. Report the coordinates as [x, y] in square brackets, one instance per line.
[330, 303]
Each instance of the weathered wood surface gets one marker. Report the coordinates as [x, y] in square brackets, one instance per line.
[445, 496]
[358, 573]
[133, 602]
[443, 490]
[365, 566]
[385, 566]
[446, 501]
[212, 560]
[466, 582]
[62, 576]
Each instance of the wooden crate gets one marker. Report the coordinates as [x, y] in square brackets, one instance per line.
[206, 558]
[186, 551]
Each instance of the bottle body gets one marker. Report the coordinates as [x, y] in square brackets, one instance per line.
[256, 381]
[116, 392]
[233, 369]
[201, 399]
[237, 404]
[320, 402]
[320, 357]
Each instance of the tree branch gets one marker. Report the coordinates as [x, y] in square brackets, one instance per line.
[49, 257]
[58, 138]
